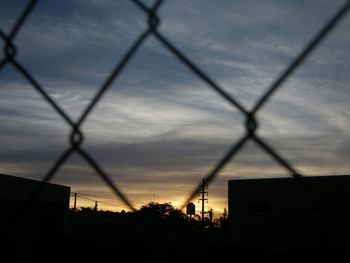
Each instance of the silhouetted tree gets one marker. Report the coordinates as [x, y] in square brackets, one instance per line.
[164, 214]
[85, 210]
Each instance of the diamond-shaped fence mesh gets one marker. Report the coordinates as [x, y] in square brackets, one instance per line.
[77, 134]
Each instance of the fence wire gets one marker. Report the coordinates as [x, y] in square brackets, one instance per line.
[76, 138]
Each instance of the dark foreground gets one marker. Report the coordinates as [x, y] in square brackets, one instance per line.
[83, 249]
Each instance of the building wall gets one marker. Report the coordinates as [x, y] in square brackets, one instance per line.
[17, 188]
[285, 213]
[23, 224]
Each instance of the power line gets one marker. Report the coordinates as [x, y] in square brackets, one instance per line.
[98, 196]
[87, 197]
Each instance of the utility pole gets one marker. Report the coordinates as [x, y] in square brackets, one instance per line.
[225, 213]
[203, 196]
[75, 202]
[211, 216]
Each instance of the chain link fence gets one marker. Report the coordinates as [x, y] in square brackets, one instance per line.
[77, 134]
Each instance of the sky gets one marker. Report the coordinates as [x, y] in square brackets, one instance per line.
[160, 129]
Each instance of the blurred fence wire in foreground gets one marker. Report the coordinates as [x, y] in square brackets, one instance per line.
[77, 134]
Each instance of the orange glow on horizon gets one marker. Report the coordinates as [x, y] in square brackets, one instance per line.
[115, 205]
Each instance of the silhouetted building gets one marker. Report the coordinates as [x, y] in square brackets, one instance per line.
[288, 213]
[23, 224]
